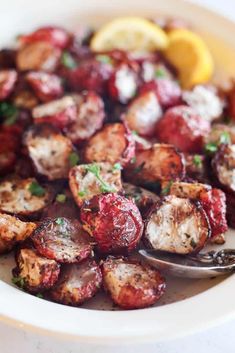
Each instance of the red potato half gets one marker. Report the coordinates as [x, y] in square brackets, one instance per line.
[143, 114]
[38, 56]
[8, 80]
[113, 144]
[60, 112]
[89, 118]
[49, 151]
[132, 285]
[88, 180]
[223, 165]
[158, 163]
[18, 197]
[113, 221]
[35, 273]
[46, 86]
[177, 225]
[182, 127]
[12, 231]
[62, 239]
[77, 283]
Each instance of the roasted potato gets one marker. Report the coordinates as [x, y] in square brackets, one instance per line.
[113, 144]
[59, 113]
[219, 131]
[7, 82]
[35, 273]
[132, 285]
[46, 86]
[88, 180]
[223, 165]
[77, 283]
[12, 231]
[143, 114]
[23, 197]
[182, 127]
[197, 167]
[89, 117]
[62, 239]
[187, 190]
[177, 225]
[49, 151]
[113, 221]
[38, 56]
[155, 164]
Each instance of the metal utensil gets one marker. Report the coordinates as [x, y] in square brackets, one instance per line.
[210, 264]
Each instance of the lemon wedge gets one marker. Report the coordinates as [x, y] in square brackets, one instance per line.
[189, 54]
[131, 34]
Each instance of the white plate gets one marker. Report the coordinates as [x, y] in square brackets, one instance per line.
[188, 305]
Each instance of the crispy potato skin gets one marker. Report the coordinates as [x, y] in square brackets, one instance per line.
[177, 225]
[63, 240]
[46, 86]
[183, 128]
[7, 82]
[114, 143]
[38, 56]
[12, 231]
[188, 190]
[160, 162]
[223, 165]
[143, 114]
[77, 283]
[49, 151]
[89, 117]
[84, 184]
[114, 222]
[16, 198]
[132, 285]
[37, 273]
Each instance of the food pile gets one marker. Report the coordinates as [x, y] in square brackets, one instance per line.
[111, 141]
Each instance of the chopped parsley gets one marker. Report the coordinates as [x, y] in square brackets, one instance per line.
[36, 189]
[61, 198]
[117, 166]
[68, 61]
[19, 281]
[133, 160]
[95, 169]
[167, 188]
[105, 59]
[39, 295]
[160, 73]
[211, 147]
[197, 160]
[135, 133]
[73, 159]
[9, 112]
[82, 193]
[225, 138]
[59, 221]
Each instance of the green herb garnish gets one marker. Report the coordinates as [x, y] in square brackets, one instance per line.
[39, 295]
[224, 138]
[67, 60]
[135, 133]
[36, 189]
[211, 147]
[167, 188]
[82, 193]
[59, 221]
[73, 159]
[133, 160]
[9, 112]
[197, 160]
[95, 169]
[19, 281]
[117, 166]
[105, 59]
[160, 73]
[61, 198]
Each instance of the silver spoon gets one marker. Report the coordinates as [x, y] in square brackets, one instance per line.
[210, 264]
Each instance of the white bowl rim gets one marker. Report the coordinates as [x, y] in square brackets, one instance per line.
[214, 306]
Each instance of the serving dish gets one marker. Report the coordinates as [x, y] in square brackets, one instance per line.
[148, 324]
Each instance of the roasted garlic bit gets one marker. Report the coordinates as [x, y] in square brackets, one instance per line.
[88, 180]
[38, 56]
[34, 273]
[12, 231]
[77, 283]
[113, 221]
[113, 144]
[23, 196]
[49, 151]
[62, 239]
[177, 225]
[155, 164]
[132, 285]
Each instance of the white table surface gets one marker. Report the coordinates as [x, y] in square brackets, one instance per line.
[216, 340]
